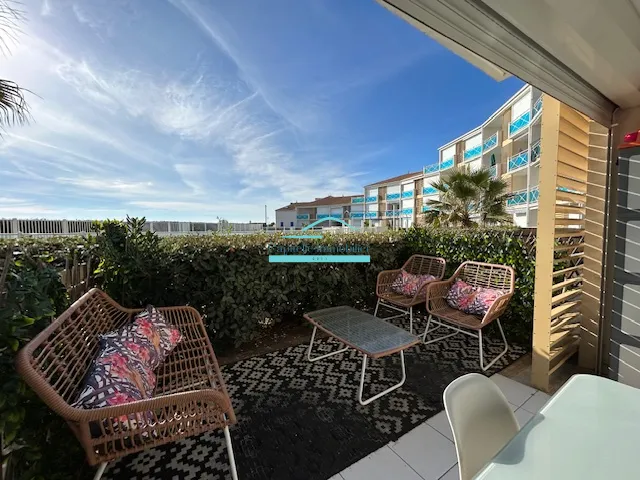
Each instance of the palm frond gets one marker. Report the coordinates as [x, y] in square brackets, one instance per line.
[14, 109]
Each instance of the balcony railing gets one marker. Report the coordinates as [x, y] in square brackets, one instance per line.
[393, 196]
[519, 123]
[406, 212]
[392, 213]
[490, 142]
[357, 200]
[520, 197]
[535, 152]
[429, 190]
[537, 107]
[518, 161]
[357, 215]
[429, 169]
[426, 208]
[302, 216]
[493, 171]
[408, 194]
[326, 215]
[448, 163]
[371, 199]
[472, 153]
[371, 215]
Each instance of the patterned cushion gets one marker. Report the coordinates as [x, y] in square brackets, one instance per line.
[148, 338]
[408, 284]
[460, 295]
[483, 299]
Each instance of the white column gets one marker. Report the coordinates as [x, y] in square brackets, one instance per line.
[529, 135]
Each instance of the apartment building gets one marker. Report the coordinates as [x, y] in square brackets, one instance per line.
[301, 214]
[390, 202]
[507, 143]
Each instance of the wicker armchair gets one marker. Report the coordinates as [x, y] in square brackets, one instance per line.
[499, 277]
[389, 298]
[190, 397]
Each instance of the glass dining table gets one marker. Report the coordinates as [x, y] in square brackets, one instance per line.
[590, 429]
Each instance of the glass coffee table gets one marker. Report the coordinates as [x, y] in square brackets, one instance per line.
[371, 336]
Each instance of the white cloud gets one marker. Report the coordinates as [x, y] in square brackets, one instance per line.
[45, 10]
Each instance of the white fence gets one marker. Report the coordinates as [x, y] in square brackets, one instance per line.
[12, 228]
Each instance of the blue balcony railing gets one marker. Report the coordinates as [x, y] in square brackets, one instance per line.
[429, 169]
[519, 123]
[518, 161]
[392, 213]
[472, 153]
[429, 190]
[371, 199]
[517, 198]
[493, 171]
[448, 163]
[406, 212]
[326, 215]
[357, 215]
[535, 152]
[534, 193]
[490, 142]
[371, 215]
[408, 194]
[537, 107]
[427, 208]
[302, 216]
[393, 196]
[357, 200]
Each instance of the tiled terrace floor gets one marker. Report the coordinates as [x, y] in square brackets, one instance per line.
[427, 452]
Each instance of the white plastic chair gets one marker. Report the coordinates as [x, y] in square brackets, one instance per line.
[481, 420]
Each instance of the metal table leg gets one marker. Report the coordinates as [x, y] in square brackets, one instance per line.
[390, 389]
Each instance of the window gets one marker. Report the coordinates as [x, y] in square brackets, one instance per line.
[282, 224]
[292, 224]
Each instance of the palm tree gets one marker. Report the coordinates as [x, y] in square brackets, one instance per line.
[13, 106]
[467, 195]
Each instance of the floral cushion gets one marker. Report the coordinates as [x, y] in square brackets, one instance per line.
[113, 379]
[148, 339]
[483, 299]
[408, 284]
[460, 295]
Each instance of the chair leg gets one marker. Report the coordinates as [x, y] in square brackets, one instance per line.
[438, 324]
[232, 459]
[411, 320]
[100, 471]
[506, 348]
[375, 314]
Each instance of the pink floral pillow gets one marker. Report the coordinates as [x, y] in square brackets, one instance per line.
[408, 284]
[483, 299]
[460, 295]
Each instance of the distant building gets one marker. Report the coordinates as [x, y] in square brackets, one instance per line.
[301, 214]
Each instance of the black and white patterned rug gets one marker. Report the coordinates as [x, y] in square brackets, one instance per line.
[302, 420]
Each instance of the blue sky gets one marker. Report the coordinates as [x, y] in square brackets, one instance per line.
[197, 109]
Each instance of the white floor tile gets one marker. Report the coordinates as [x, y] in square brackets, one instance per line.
[337, 476]
[453, 474]
[535, 403]
[441, 423]
[515, 392]
[427, 451]
[523, 416]
[382, 464]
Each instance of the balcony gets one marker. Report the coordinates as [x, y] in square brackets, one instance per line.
[392, 213]
[426, 208]
[302, 216]
[371, 215]
[408, 194]
[519, 123]
[430, 169]
[327, 215]
[537, 107]
[393, 196]
[448, 163]
[493, 171]
[472, 153]
[519, 197]
[356, 215]
[518, 161]
[357, 200]
[535, 152]
[406, 212]
[371, 199]
[429, 190]
[490, 142]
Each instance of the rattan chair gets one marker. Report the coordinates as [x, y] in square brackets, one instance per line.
[499, 277]
[389, 298]
[190, 397]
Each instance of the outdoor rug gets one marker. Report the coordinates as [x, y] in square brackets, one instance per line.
[302, 420]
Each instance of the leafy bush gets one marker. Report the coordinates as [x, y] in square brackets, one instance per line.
[502, 246]
[36, 443]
